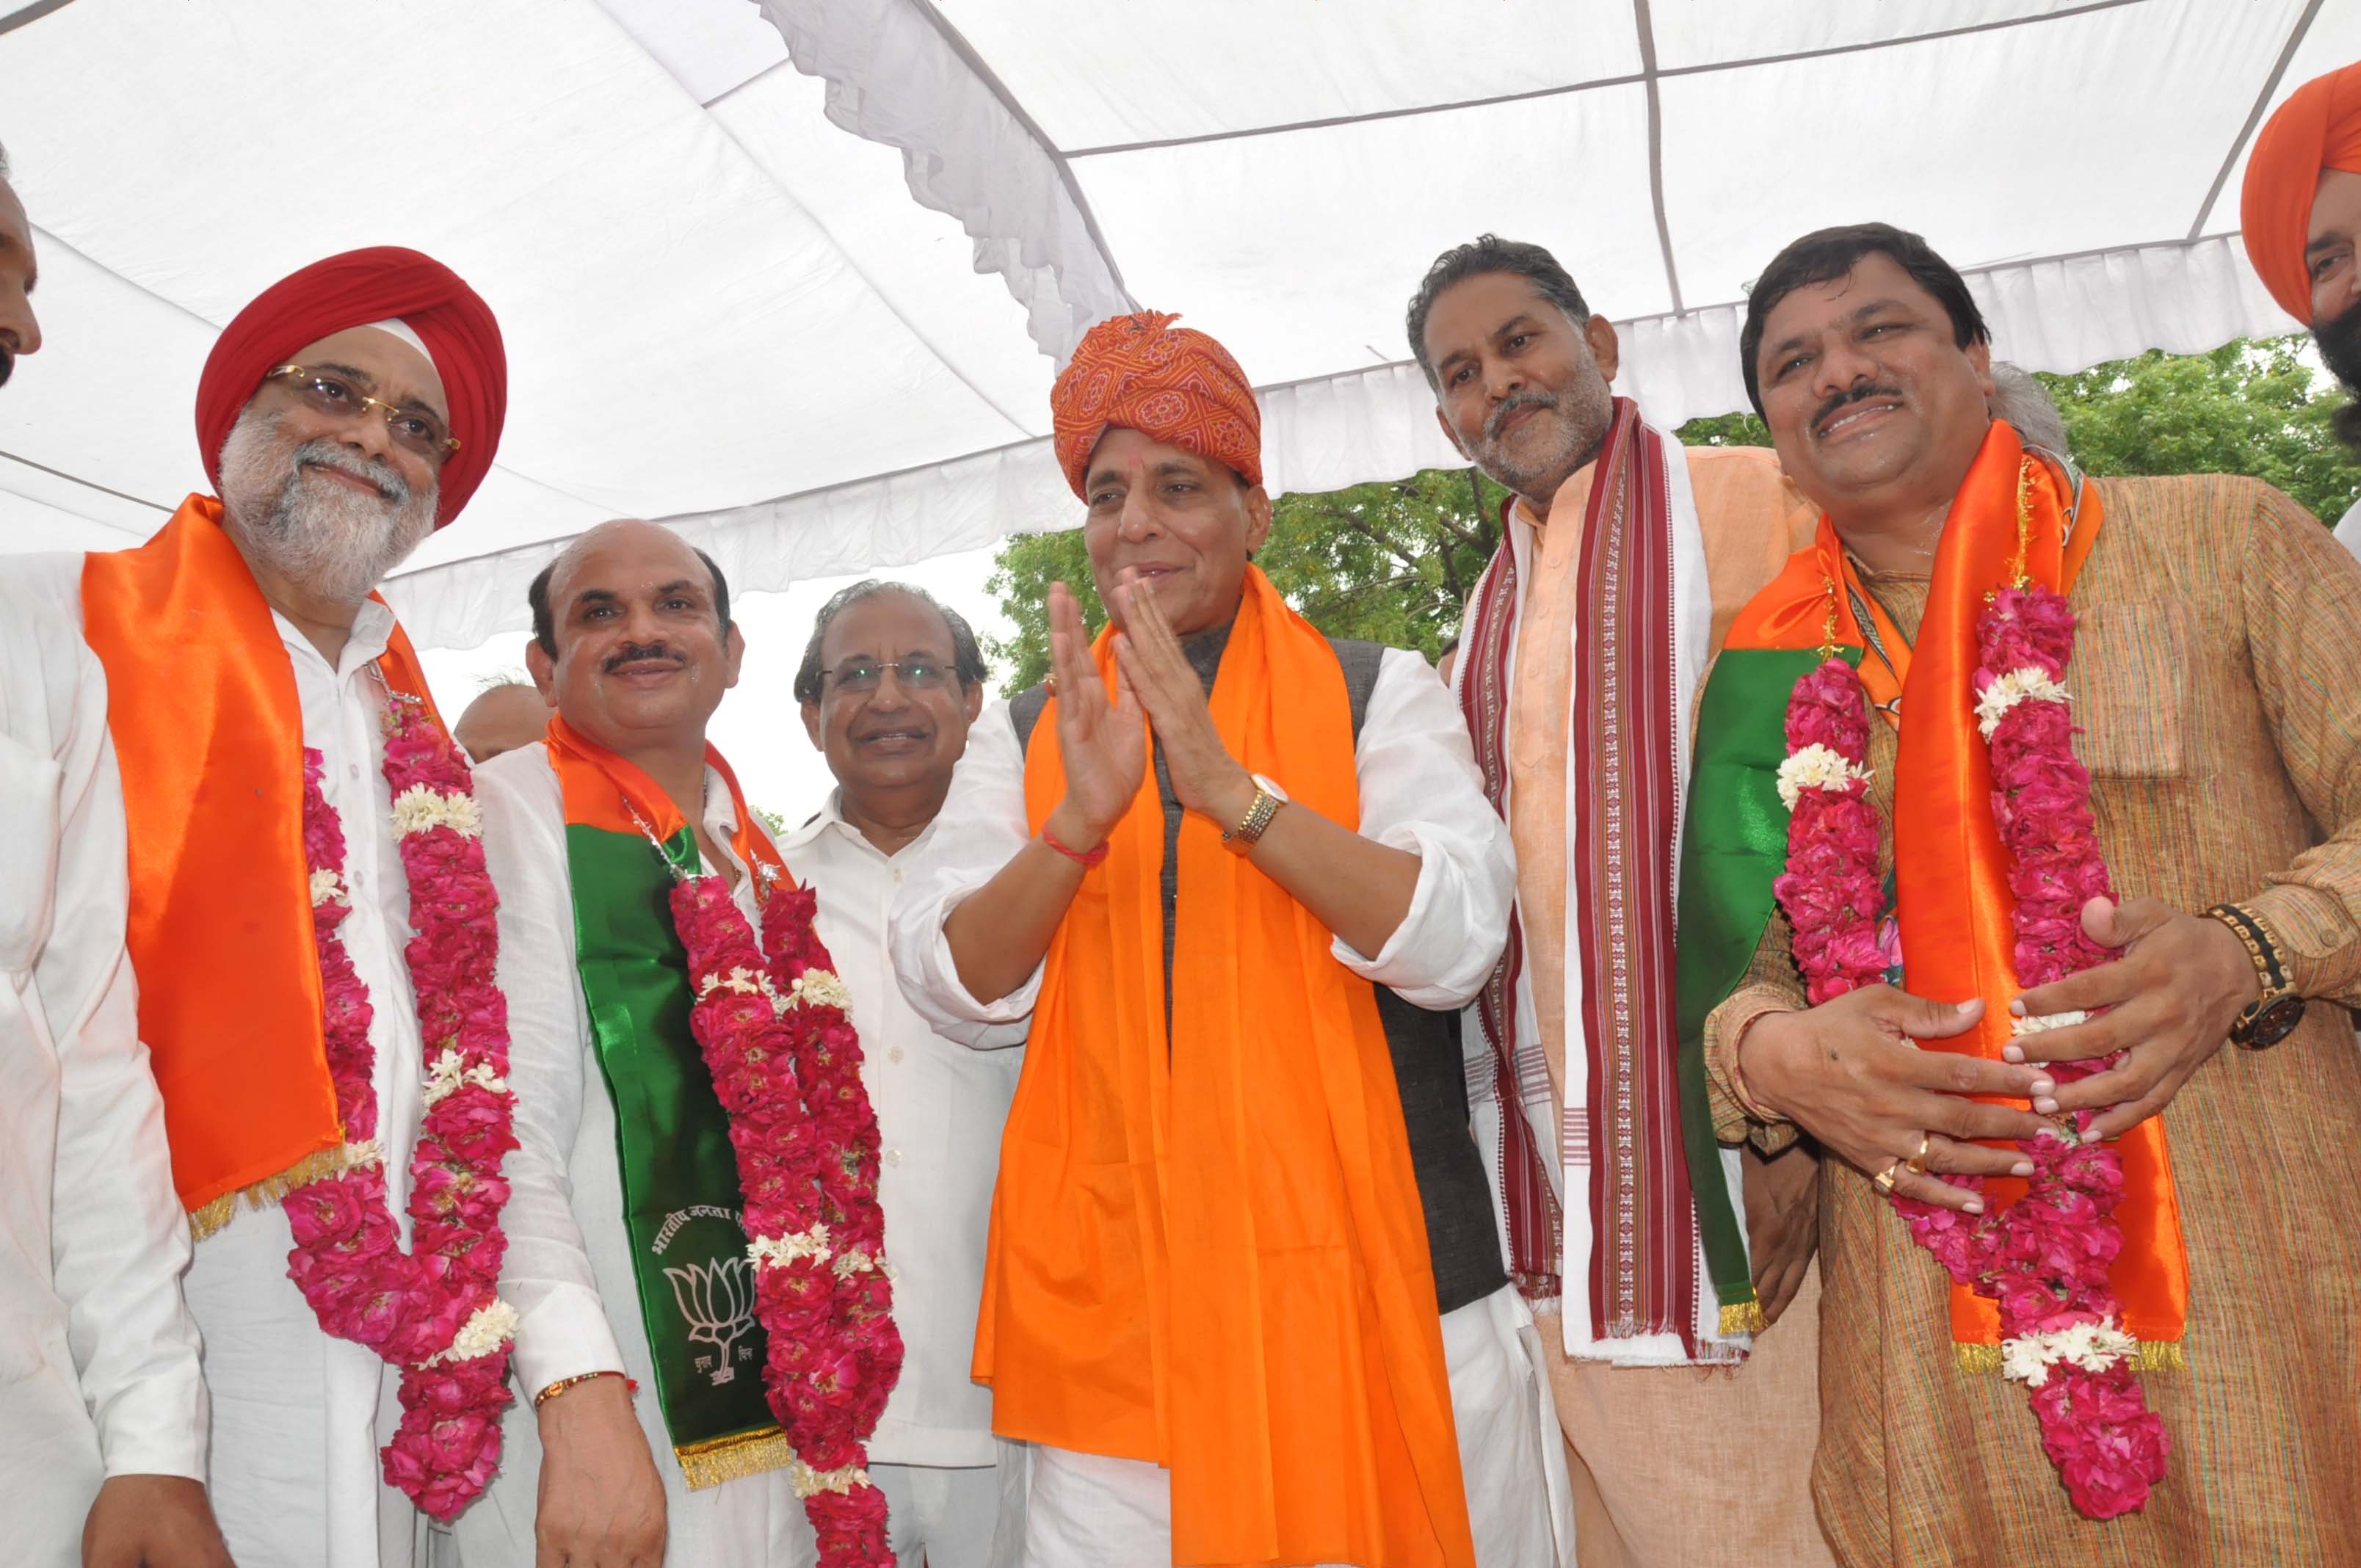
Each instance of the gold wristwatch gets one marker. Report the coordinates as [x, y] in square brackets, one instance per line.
[1268, 797]
[2273, 1016]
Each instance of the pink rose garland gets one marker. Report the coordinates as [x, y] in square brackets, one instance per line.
[2043, 1260]
[432, 1310]
[786, 1065]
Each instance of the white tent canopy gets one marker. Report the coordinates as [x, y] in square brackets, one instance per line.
[723, 310]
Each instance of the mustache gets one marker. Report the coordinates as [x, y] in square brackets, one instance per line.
[635, 652]
[1536, 398]
[325, 454]
[1835, 405]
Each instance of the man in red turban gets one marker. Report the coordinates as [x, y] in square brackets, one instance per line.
[345, 414]
[2302, 214]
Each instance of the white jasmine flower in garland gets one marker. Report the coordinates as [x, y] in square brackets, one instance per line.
[854, 1261]
[781, 1251]
[2030, 684]
[1815, 767]
[820, 988]
[2093, 1346]
[421, 807]
[448, 1071]
[809, 1483]
[740, 980]
[327, 887]
[487, 1327]
[366, 1153]
[2039, 1023]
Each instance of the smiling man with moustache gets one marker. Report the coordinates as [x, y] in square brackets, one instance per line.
[890, 682]
[2216, 632]
[1244, 1288]
[345, 414]
[645, 1436]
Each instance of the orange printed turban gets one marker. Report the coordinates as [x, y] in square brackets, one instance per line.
[1171, 384]
[361, 288]
[2317, 128]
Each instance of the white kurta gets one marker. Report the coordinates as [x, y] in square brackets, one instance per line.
[940, 1107]
[568, 1271]
[299, 1415]
[1420, 792]
[98, 1358]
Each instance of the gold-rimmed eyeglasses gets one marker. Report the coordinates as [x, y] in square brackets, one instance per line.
[416, 429]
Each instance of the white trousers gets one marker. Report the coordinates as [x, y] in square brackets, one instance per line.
[1085, 1510]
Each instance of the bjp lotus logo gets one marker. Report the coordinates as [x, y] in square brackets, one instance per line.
[718, 1299]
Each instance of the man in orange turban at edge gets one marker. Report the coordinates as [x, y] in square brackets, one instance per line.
[2300, 211]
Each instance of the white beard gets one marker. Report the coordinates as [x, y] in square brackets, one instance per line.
[333, 539]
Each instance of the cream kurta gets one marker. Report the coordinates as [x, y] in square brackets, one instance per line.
[2216, 682]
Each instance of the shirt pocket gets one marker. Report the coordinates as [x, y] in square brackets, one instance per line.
[2131, 681]
[29, 851]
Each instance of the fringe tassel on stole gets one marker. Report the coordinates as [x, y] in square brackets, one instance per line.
[704, 1464]
[1746, 1318]
[2154, 1355]
[204, 1220]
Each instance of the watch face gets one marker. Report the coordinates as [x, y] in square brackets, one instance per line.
[2275, 1023]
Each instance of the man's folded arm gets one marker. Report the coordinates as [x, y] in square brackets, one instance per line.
[1771, 985]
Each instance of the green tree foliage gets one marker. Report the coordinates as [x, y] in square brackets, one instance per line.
[1393, 561]
[2255, 407]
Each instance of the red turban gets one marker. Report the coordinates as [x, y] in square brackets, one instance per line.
[361, 288]
[1171, 384]
[2317, 128]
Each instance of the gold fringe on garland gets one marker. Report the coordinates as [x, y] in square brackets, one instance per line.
[728, 1458]
[211, 1217]
[2154, 1355]
[1742, 1318]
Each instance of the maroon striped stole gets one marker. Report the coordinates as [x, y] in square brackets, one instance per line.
[1622, 809]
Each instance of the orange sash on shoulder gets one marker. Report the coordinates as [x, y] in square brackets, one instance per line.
[1211, 1255]
[209, 735]
[1950, 872]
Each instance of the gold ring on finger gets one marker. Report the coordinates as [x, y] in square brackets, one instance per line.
[1916, 1163]
[1883, 1180]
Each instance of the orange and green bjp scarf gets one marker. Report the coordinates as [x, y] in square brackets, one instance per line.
[625, 840]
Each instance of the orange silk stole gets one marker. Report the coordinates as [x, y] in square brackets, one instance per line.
[1208, 1253]
[1950, 872]
[209, 735]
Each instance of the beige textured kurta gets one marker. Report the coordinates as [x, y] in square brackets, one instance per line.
[2218, 684]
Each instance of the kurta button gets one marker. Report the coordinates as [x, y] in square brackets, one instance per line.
[894, 1055]
[893, 1157]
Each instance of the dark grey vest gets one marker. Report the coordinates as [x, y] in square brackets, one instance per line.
[1462, 1243]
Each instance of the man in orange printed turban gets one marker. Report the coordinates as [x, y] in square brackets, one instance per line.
[344, 416]
[1244, 1299]
[2300, 211]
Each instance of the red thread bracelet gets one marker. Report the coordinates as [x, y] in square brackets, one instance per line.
[1086, 860]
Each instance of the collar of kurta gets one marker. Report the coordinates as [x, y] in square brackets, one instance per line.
[208, 734]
